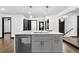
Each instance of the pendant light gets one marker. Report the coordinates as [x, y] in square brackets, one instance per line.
[61, 19]
[30, 12]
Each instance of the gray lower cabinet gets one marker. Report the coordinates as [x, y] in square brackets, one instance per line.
[39, 43]
[47, 43]
[57, 43]
[57, 47]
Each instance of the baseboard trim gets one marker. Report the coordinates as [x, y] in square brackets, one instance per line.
[0, 37]
[74, 36]
[71, 44]
[12, 37]
[7, 33]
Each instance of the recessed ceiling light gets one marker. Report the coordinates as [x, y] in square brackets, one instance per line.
[30, 16]
[65, 16]
[2, 9]
[46, 17]
[29, 12]
[45, 13]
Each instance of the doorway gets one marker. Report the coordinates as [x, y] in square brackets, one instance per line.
[6, 27]
[61, 26]
[77, 26]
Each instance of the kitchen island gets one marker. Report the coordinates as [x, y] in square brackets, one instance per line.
[38, 42]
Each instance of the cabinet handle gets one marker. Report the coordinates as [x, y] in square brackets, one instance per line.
[42, 43]
[56, 41]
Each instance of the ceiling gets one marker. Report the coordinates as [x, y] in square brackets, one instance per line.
[75, 11]
[35, 11]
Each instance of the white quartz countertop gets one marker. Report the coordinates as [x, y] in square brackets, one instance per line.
[38, 32]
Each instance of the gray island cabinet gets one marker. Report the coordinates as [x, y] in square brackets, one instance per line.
[39, 43]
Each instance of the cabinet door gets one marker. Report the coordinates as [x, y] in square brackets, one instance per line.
[41, 44]
[57, 44]
[47, 46]
[36, 47]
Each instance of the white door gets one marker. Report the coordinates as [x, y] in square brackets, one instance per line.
[6, 25]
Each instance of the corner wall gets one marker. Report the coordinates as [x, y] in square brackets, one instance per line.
[71, 22]
[53, 23]
[17, 24]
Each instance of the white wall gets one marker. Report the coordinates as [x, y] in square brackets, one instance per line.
[71, 22]
[53, 23]
[17, 23]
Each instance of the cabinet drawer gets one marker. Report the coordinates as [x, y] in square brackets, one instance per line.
[58, 37]
[23, 36]
[43, 35]
[36, 39]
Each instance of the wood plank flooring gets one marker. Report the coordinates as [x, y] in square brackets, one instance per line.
[6, 45]
[67, 48]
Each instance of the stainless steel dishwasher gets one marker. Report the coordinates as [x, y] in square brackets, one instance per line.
[23, 43]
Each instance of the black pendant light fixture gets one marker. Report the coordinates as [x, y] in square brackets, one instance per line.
[47, 6]
[30, 6]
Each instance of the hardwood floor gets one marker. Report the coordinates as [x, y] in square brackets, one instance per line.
[6, 45]
[67, 48]
[72, 40]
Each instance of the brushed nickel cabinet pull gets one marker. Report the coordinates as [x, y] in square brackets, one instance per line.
[42, 43]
